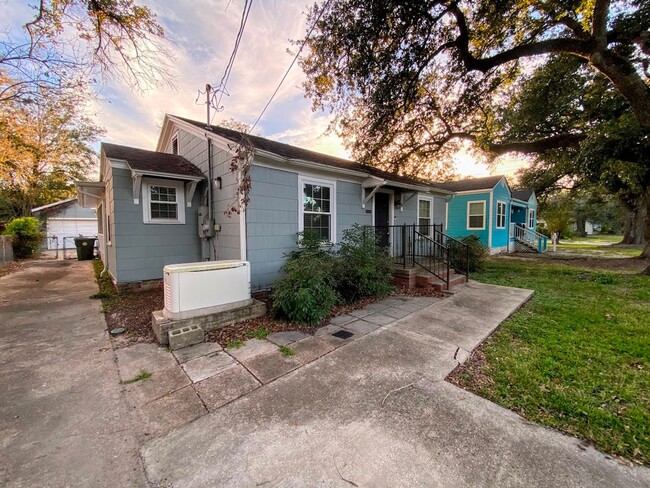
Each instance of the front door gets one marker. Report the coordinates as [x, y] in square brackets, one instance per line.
[382, 218]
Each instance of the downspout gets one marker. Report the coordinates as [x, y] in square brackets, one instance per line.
[210, 199]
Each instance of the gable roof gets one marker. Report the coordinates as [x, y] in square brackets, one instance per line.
[297, 153]
[151, 161]
[53, 205]
[523, 194]
[472, 184]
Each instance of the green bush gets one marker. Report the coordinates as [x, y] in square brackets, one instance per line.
[305, 292]
[27, 235]
[363, 268]
[542, 229]
[478, 253]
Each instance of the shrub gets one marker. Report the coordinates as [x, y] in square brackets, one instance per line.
[542, 229]
[477, 254]
[27, 235]
[305, 292]
[363, 268]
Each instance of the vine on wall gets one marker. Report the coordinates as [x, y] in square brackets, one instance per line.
[240, 165]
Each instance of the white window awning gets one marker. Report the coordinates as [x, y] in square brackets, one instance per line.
[89, 193]
[190, 183]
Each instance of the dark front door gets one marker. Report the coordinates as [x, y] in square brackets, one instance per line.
[382, 216]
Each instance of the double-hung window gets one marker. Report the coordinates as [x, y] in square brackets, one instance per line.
[425, 209]
[163, 202]
[531, 218]
[476, 215]
[317, 208]
[501, 215]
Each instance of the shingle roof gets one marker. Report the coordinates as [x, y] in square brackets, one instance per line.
[143, 160]
[523, 194]
[471, 184]
[294, 152]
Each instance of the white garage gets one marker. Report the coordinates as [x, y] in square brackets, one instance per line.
[65, 220]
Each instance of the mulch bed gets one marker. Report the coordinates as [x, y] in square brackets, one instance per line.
[132, 311]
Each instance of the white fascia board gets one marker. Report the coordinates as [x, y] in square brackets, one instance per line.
[158, 174]
[310, 164]
[219, 141]
[55, 204]
[471, 192]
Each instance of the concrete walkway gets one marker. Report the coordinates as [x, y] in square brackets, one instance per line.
[377, 413]
[63, 420]
[190, 382]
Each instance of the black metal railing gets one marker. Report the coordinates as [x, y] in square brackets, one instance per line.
[425, 246]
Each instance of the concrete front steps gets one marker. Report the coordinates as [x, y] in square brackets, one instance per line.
[420, 278]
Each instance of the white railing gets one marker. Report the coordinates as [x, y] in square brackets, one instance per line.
[530, 237]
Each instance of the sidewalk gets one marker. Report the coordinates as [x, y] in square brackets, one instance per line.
[378, 413]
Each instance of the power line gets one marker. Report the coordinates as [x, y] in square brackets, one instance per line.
[221, 89]
[291, 65]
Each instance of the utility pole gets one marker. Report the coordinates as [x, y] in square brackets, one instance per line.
[208, 89]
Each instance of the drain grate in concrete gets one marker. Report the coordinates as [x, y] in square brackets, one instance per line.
[343, 334]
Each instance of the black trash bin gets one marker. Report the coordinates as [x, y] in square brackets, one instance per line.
[85, 248]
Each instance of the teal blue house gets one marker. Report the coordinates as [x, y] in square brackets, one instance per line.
[504, 220]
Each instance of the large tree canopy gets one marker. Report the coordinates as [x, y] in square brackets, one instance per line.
[409, 82]
[68, 42]
[44, 147]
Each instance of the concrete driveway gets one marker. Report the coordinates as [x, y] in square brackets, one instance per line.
[377, 413]
[63, 419]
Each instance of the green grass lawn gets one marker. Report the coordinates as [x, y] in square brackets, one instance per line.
[576, 357]
[597, 248]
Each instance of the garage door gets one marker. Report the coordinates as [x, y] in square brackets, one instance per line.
[69, 228]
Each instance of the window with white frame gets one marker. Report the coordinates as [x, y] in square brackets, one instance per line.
[531, 218]
[425, 210]
[476, 215]
[318, 204]
[501, 215]
[163, 201]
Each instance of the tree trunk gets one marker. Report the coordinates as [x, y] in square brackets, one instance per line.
[633, 226]
[581, 224]
[646, 227]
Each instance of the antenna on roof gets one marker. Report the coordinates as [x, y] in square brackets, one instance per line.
[208, 89]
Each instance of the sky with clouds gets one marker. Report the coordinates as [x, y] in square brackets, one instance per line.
[201, 34]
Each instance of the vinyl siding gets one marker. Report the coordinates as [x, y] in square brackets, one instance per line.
[271, 222]
[457, 216]
[227, 241]
[71, 211]
[142, 250]
[500, 236]
[272, 219]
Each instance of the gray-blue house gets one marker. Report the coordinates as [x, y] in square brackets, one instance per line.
[172, 205]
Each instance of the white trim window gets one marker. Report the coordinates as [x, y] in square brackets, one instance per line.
[501, 214]
[425, 215]
[163, 201]
[317, 207]
[476, 215]
[531, 218]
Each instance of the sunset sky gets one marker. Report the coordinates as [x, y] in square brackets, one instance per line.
[201, 35]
